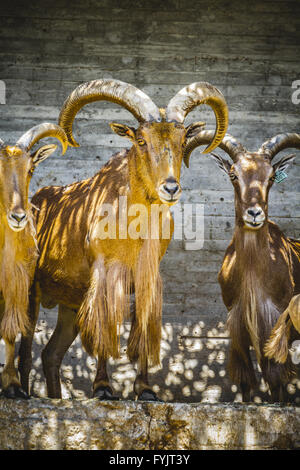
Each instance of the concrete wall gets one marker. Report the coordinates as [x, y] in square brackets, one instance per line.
[250, 50]
[46, 424]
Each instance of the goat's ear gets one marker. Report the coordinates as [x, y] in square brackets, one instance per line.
[194, 128]
[42, 153]
[123, 131]
[225, 165]
[284, 163]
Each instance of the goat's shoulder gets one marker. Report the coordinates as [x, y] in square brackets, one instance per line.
[275, 230]
[45, 193]
[113, 178]
[109, 182]
[228, 263]
[277, 238]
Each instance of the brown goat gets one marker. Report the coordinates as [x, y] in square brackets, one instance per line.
[90, 275]
[261, 269]
[277, 347]
[18, 245]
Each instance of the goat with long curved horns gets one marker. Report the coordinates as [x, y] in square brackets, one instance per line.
[18, 244]
[91, 277]
[261, 268]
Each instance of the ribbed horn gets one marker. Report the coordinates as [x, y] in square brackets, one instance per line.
[124, 94]
[280, 142]
[41, 131]
[194, 95]
[229, 144]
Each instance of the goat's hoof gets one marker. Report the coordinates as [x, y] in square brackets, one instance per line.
[148, 395]
[13, 391]
[104, 393]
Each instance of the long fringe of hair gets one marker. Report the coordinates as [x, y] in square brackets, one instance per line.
[103, 309]
[15, 285]
[247, 306]
[92, 315]
[277, 347]
[16, 274]
[145, 335]
[118, 282]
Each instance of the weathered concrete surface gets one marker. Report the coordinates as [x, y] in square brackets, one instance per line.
[44, 424]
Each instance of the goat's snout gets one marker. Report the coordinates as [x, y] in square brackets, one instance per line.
[169, 190]
[254, 212]
[254, 217]
[171, 187]
[17, 219]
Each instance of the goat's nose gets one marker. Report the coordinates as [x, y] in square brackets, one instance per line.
[254, 212]
[171, 186]
[18, 216]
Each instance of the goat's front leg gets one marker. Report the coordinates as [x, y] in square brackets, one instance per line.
[101, 386]
[137, 352]
[63, 336]
[242, 372]
[25, 350]
[142, 388]
[145, 334]
[11, 386]
[277, 375]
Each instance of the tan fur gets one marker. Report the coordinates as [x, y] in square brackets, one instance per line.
[18, 241]
[68, 224]
[144, 341]
[92, 315]
[277, 347]
[118, 282]
[294, 310]
[18, 258]
[80, 270]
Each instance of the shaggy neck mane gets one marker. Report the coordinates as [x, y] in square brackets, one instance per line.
[18, 252]
[252, 251]
[253, 267]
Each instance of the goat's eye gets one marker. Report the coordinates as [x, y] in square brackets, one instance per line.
[232, 176]
[273, 177]
[141, 142]
[30, 172]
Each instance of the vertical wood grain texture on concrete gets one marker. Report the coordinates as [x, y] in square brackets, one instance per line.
[251, 51]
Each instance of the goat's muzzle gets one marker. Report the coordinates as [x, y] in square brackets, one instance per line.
[254, 217]
[169, 191]
[17, 220]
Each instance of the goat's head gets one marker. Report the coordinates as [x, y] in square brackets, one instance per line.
[252, 173]
[161, 137]
[17, 164]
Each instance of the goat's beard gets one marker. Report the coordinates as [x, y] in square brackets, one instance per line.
[16, 274]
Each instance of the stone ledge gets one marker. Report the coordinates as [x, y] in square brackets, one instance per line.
[47, 424]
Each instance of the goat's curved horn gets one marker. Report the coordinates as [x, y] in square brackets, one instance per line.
[193, 95]
[124, 94]
[229, 144]
[41, 131]
[280, 142]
